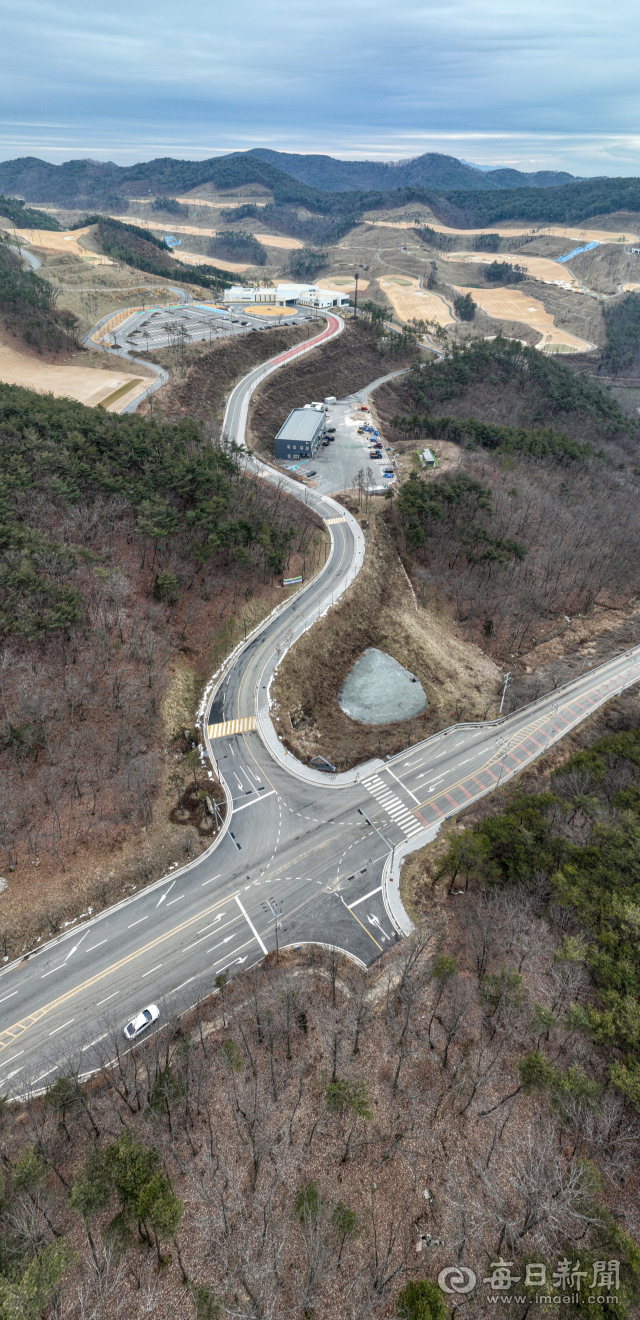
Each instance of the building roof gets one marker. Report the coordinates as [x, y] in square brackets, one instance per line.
[301, 424]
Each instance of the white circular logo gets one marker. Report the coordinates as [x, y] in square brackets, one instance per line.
[457, 1279]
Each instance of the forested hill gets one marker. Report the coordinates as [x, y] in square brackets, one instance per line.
[431, 170]
[25, 217]
[459, 195]
[141, 249]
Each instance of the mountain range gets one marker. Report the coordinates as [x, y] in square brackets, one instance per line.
[431, 170]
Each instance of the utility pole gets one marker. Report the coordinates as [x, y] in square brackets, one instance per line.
[504, 690]
[355, 304]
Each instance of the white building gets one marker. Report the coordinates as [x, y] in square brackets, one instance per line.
[287, 295]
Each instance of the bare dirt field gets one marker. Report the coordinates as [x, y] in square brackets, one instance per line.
[86, 384]
[409, 301]
[267, 309]
[512, 305]
[51, 241]
[540, 268]
[195, 259]
[378, 610]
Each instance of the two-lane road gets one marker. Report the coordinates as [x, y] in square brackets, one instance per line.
[296, 852]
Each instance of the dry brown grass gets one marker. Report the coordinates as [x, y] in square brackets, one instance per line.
[378, 610]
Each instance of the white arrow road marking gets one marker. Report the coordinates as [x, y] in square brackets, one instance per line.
[219, 946]
[167, 891]
[373, 921]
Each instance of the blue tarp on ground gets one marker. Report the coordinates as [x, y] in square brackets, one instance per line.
[576, 251]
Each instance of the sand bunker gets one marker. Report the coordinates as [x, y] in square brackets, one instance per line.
[85, 384]
[410, 302]
[50, 241]
[540, 268]
[511, 305]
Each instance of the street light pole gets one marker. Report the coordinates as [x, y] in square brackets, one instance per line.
[504, 690]
[554, 711]
[392, 846]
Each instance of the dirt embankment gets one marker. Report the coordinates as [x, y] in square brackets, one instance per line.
[344, 365]
[378, 610]
[204, 375]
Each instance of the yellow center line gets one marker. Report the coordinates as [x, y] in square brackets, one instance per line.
[367, 932]
[496, 756]
[11, 1034]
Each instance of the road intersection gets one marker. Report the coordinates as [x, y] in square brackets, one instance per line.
[300, 848]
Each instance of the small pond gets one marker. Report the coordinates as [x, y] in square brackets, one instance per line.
[379, 690]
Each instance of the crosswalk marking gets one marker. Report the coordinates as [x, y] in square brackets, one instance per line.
[331, 521]
[244, 725]
[393, 805]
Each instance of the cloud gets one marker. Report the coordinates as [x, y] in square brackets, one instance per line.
[334, 75]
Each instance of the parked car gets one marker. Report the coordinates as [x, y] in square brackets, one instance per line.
[142, 1020]
[324, 444]
[330, 430]
[332, 438]
[311, 472]
[374, 454]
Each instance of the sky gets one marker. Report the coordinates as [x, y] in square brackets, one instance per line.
[551, 84]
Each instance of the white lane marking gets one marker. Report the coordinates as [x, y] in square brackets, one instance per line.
[13, 992]
[105, 1001]
[151, 969]
[208, 882]
[91, 1043]
[137, 923]
[181, 987]
[402, 785]
[64, 1024]
[167, 891]
[14, 1057]
[43, 1075]
[175, 900]
[215, 923]
[230, 954]
[94, 946]
[366, 896]
[51, 969]
[466, 762]
[251, 925]
[219, 946]
[253, 802]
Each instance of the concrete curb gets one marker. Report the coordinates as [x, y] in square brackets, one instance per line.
[391, 878]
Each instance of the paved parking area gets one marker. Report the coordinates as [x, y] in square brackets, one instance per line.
[160, 327]
[337, 465]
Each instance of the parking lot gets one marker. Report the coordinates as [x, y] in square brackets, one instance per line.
[336, 466]
[188, 323]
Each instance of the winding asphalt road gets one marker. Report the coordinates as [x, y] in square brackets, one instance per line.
[306, 851]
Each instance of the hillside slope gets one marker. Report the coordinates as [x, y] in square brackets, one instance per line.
[433, 169]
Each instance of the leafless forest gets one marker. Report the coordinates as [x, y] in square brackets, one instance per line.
[318, 1137]
[87, 739]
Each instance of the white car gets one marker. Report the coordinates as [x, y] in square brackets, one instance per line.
[141, 1021]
